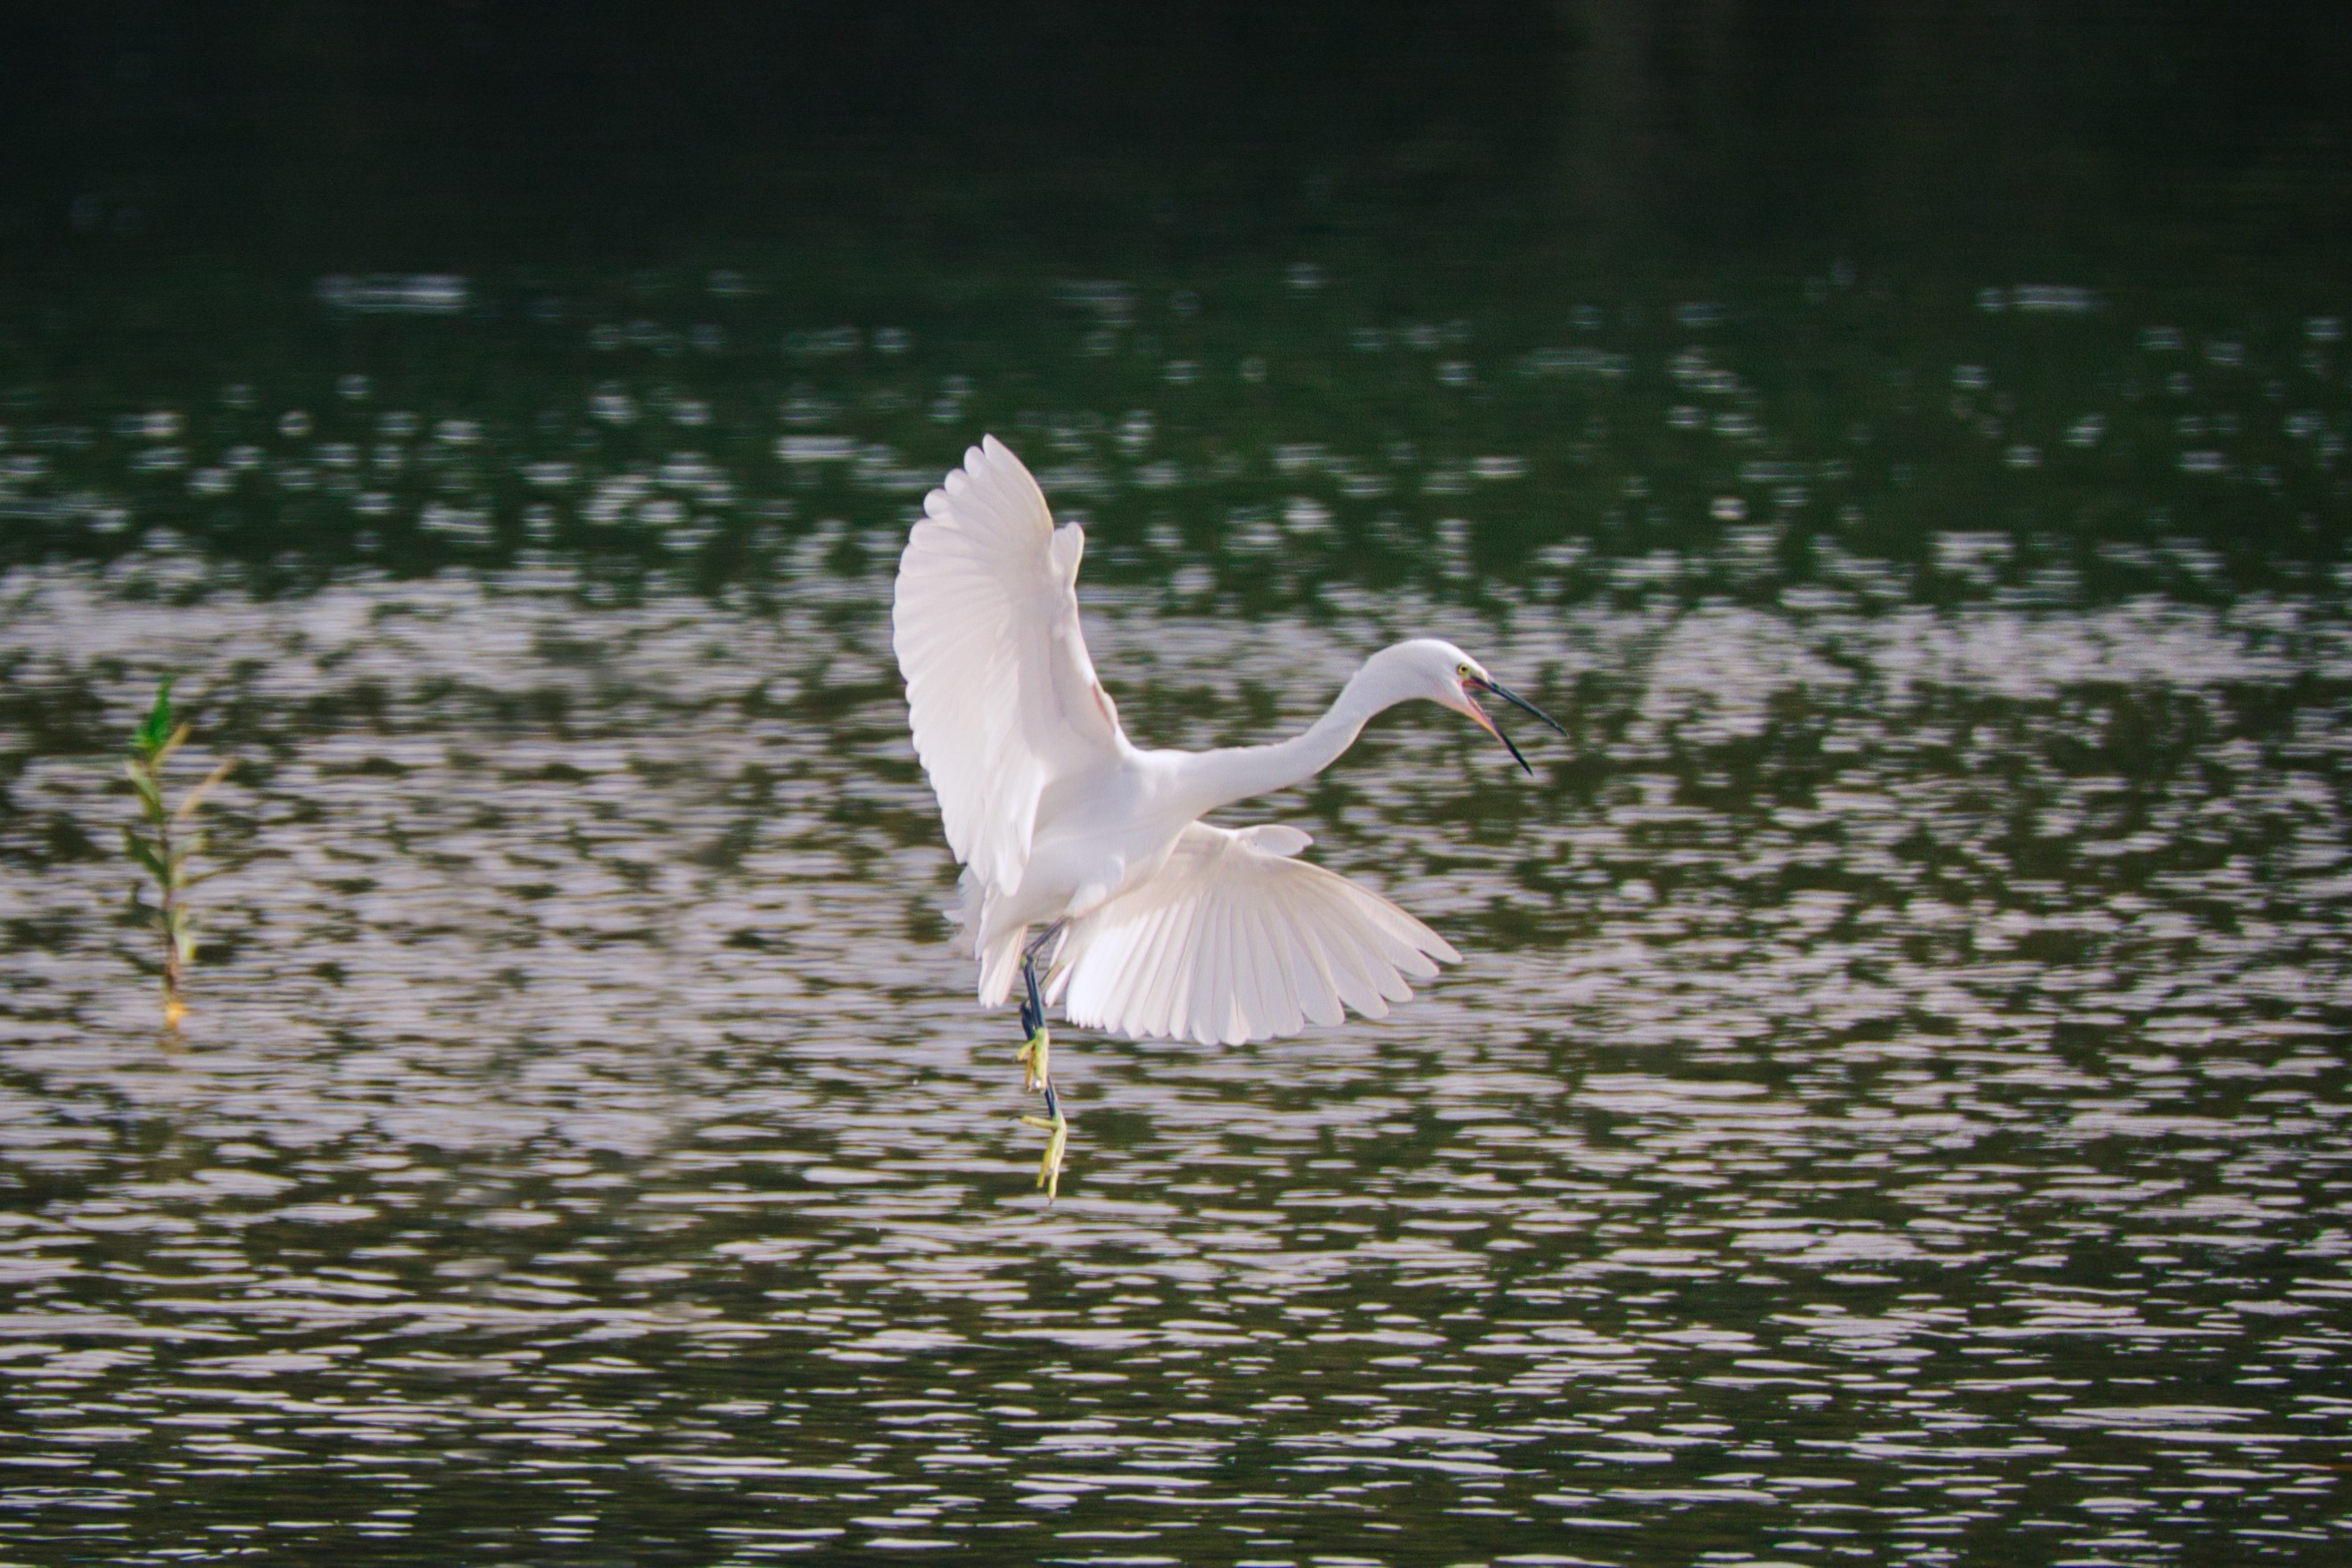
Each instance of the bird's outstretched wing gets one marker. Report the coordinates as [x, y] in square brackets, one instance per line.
[985, 622]
[1234, 941]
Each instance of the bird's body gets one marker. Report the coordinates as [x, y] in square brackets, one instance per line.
[1107, 834]
[1154, 922]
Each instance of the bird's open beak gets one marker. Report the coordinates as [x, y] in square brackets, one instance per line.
[1471, 684]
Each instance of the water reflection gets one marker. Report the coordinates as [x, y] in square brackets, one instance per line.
[1895, 1108]
[1894, 1105]
[1895, 1101]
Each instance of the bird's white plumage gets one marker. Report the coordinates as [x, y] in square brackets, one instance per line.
[1234, 941]
[985, 623]
[1175, 927]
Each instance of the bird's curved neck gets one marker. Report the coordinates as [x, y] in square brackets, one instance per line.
[1236, 772]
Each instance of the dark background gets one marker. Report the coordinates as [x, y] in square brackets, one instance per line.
[2121, 138]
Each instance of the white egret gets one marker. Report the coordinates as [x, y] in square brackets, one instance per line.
[1150, 921]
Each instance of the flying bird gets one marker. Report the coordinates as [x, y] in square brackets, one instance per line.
[1089, 877]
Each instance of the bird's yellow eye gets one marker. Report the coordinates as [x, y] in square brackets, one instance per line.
[1462, 672]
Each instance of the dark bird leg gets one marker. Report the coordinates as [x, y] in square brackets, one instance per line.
[1038, 1043]
[1034, 1056]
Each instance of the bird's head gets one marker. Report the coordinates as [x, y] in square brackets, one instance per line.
[1445, 675]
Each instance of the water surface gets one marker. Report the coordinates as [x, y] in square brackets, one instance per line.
[1894, 1109]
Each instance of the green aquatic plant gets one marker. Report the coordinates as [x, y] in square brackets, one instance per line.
[165, 849]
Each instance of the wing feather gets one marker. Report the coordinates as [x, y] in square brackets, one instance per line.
[1173, 987]
[1198, 1022]
[1322, 1000]
[1234, 941]
[1254, 962]
[1278, 993]
[1356, 986]
[1152, 962]
[1212, 1000]
[1000, 693]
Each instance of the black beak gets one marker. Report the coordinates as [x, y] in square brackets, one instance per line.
[1516, 700]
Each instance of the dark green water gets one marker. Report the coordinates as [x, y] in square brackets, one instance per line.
[1895, 1108]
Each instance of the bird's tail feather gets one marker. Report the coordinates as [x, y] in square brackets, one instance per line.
[999, 959]
[1000, 966]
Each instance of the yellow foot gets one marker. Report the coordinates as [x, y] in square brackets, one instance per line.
[1032, 1057]
[1049, 1169]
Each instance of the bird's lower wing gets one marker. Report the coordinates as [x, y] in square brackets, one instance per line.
[1234, 941]
[1002, 695]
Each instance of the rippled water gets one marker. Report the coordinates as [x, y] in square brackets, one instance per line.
[1894, 1107]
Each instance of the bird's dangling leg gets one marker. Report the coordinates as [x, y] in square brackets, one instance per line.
[1037, 1042]
[1035, 1059]
[1056, 1126]
[1034, 1055]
